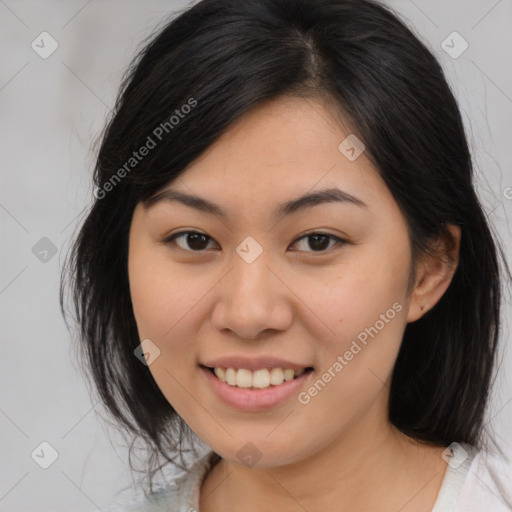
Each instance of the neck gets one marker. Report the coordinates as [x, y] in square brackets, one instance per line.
[367, 463]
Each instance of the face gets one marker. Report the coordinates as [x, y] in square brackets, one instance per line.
[321, 284]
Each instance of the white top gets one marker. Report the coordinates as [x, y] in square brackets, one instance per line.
[474, 482]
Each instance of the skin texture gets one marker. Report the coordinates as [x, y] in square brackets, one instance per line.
[339, 451]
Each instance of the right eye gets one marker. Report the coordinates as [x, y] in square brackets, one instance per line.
[195, 240]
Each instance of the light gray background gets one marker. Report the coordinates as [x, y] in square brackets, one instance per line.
[50, 112]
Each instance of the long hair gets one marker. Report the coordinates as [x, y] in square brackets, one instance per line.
[223, 58]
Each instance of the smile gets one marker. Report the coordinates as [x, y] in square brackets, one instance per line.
[259, 379]
[249, 397]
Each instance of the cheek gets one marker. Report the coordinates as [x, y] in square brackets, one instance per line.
[363, 309]
[365, 315]
[355, 298]
[163, 296]
[166, 304]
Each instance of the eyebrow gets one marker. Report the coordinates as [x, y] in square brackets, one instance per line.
[328, 195]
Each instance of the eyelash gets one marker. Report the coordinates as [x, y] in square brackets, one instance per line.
[171, 240]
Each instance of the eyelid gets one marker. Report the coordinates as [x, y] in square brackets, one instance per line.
[170, 238]
[339, 241]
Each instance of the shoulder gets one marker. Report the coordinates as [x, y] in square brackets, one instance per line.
[475, 481]
[159, 501]
[488, 485]
[180, 495]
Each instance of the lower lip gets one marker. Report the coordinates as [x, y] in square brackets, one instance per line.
[248, 399]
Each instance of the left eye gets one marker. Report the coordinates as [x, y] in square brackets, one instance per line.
[319, 242]
[197, 242]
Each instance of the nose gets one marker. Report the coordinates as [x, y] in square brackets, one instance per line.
[252, 299]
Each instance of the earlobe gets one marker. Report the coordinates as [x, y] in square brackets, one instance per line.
[436, 273]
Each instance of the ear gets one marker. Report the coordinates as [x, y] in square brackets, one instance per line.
[435, 273]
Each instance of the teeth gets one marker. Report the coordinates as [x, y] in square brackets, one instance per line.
[276, 376]
[231, 376]
[221, 374]
[260, 379]
[288, 374]
[244, 378]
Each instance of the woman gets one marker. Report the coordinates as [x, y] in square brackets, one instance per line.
[287, 258]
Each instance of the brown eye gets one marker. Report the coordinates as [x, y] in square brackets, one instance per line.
[319, 242]
[191, 240]
[194, 241]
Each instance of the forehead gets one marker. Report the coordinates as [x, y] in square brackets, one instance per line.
[287, 143]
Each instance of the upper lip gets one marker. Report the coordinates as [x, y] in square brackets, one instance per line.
[253, 363]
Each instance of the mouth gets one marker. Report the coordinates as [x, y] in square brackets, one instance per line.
[263, 378]
[256, 391]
